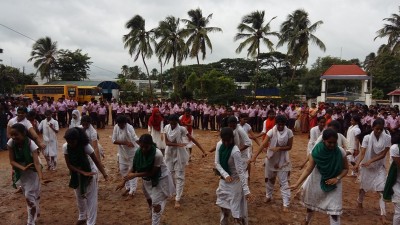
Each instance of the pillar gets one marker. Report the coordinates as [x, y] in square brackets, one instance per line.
[364, 87]
[323, 90]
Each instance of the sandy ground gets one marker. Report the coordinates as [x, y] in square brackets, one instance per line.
[58, 204]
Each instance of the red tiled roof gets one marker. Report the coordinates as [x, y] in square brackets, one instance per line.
[336, 70]
[395, 92]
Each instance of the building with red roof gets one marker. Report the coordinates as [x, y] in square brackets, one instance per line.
[395, 97]
[347, 72]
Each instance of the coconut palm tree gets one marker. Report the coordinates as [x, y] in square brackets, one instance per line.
[297, 31]
[44, 53]
[172, 43]
[198, 39]
[139, 42]
[392, 31]
[255, 32]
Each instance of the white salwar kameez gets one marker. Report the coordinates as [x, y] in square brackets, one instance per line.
[231, 196]
[30, 184]
[75, 122]
[373, 177]
[394, 152]
[160, 193]
[314, 198]
[125, 153]
[176, 158]
[157, 135]
[277, 164]
[87, 203]
[50, 140]
[315, 132]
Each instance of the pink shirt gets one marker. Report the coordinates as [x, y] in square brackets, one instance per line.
[61, 106]
[206, 110]
[41, 109]
[392, 122]
[102, 110]
[127, 109]
[114, 106]
[252, 112]
[94, 108]
[120, 109]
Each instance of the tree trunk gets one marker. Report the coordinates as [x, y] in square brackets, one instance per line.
[294, 72]
[197, 57]
[161, 78]
[175, 76]
[148, 76]
[257, 68]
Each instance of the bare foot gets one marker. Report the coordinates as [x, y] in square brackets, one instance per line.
[359, 205]
[80, 222]
[266, 200]
[177, 205]
[19, 190]
[285, 209]
[383, 220]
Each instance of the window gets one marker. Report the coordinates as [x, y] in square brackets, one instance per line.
[396, 98]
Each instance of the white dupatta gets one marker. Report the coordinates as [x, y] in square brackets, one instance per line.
[279, 159]
[375, 147]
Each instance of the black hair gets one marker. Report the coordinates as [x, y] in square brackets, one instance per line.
[357, 119]
[232, 119]
[31, 114]
[173, 117]
[86, 119]
[271, 112]
[320, 118]
[20, 128]
[188, 110]
[48, 112]
[77, 133]
[226, 132]
[378, 121]
[23, 109]
[328, 133]
[243, 115]
[335, 124]
[280, 119]
[146, 139]
[121, 119]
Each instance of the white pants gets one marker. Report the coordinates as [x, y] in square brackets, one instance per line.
[382, 204]
[396, 216]
[283, 177]
[87, 206]
[179, 177]
[31, 188]
[131, 184]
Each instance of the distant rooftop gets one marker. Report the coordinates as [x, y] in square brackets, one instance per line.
[345, 72]
[102, 84]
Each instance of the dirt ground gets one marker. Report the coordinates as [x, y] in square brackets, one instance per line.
[58, 204]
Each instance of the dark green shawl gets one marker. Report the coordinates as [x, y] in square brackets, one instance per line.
[390, 182]
[224, 154]
[143, 163]
[329, 164]
[78, 158]
[23, 157]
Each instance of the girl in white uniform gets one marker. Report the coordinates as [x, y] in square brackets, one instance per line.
[156, 128]
[371, 163]
[76, 119]
[176, 156]
[392, 186]
[233, 191]
[23, 154]
[125, 137]
[83, 165]
[158, 185]
[277, 162]
[49, 128]
[353, 142]
[323, 189]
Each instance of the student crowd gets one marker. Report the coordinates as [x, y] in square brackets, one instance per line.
[344, 140]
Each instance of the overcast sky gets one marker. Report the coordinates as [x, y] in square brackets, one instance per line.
[97, 27]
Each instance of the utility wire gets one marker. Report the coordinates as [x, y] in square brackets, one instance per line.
[35, 41]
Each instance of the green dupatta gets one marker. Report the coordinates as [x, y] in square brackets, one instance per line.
[23, 156]
[390, 182]
[224, 154]
[78, 158]
[143, 163]
[329, 164]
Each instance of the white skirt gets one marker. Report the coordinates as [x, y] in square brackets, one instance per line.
[161, 192]
[230, 196]
[314, 198]
[372, 179]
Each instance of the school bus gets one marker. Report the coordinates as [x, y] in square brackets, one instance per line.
[86, 93]
[52, 91]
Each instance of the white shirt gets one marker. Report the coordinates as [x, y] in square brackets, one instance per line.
[88, 151]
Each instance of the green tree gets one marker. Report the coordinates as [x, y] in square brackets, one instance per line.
[391, 30]
[13, 80]
[276, 64]
[289, 90]
[297, 31]
[197, 29]
[172, 43]
[43, 55]
[254, 31]
[139, 41]
[385, 72]
[73, 66]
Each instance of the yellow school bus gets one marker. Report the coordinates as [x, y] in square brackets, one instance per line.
[86, 93]
[52, 91]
